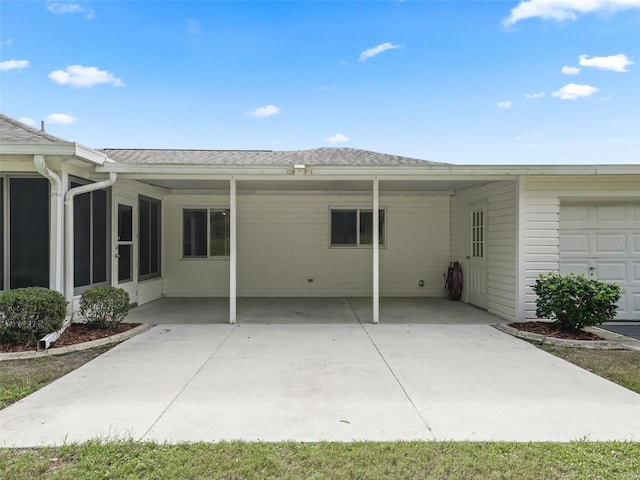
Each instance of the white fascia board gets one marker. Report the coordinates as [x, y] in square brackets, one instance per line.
[409, 172]
[54, 149]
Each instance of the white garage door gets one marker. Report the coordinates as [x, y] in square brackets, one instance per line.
[602, 241]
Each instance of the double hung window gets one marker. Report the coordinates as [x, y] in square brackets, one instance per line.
[205, 233]
[353, 227]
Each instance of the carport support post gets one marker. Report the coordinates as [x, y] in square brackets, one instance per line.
[376, 251]
[232, 250]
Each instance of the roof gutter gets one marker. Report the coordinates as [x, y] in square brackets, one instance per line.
[68, 228]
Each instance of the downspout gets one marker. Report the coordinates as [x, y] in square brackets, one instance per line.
[56, 247]
[47, 340]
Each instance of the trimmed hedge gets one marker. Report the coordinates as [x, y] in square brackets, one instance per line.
[104, 307]
[574, 302]
[28, 314]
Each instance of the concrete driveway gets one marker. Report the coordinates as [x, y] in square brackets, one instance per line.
[312, 382]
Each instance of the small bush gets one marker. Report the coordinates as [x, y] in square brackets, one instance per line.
[28, 314]
[104, 307]
[574, 302]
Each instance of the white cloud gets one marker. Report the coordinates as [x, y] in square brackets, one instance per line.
[27, 121]
[193, 27]
[560, 10]
[570, 70]
[263, 112]
[337, 138]
[6, 42]
[532, 96]
[614, 63]
[372, 52]
[81, 76]
[65, 7]
[13, 65]
[573, 91]
[60, 119]
[505, 105]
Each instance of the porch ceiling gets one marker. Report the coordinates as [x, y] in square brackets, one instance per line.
[304, 184]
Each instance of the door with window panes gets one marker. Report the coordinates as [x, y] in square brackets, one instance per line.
[476, 275]
[125, 251]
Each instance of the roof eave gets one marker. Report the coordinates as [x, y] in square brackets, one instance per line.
[382, 170]
[69, 149]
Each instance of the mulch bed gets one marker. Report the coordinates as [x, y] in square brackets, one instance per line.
[75, 334]
[551, 330]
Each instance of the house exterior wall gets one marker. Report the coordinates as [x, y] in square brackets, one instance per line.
[501, 241]
[283, 241]
[542, 200]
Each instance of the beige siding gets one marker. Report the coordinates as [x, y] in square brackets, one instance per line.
[283, 242]
[500, 198]
[543, 197]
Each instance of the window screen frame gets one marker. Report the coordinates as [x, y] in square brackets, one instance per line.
[358, 210]
[208, 211]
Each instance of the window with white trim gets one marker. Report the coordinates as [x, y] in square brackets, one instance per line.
[353, 227]
[205, 233]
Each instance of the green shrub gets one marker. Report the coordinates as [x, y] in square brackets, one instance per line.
[28, 314]
[574, 302]
[104, 307]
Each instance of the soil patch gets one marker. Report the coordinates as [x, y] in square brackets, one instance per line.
[75, 334]
[551, 330]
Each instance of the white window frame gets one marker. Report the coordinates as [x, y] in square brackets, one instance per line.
[208, 211]
[358, 244]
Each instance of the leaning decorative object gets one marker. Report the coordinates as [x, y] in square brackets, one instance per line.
[574, 302]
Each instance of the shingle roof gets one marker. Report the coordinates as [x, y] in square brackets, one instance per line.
[314, 157]
[14, 131]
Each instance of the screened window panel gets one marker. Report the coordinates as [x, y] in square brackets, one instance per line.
[82, 239]
[154, 240]
[124, 263]
[125, 223]
[28, 232]
[144, 233]
[100, 241]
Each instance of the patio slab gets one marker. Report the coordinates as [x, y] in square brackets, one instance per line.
[312, 382]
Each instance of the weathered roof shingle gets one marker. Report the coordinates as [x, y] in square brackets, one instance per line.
[314, 157]
[14, 131]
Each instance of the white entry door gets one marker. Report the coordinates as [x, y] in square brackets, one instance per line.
[476, 276]
[125, 252]
[602, 242]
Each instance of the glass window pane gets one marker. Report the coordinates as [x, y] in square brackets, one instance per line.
[100, 241]
[366, 227]
[144, 238]
[125, 223]
[219, 233]
[154, 239]
[124, 263]
[28, 232]
[194, 233]
[343, 227]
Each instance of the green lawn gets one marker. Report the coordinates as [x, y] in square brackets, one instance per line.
[403, 460]
[619, 366]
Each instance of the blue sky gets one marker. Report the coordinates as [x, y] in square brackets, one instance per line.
[500, 82]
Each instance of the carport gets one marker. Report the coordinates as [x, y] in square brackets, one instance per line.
[324, 310]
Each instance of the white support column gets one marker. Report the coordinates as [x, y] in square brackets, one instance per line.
[376, 252]
[232, 250]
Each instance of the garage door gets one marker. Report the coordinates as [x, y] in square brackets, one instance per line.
[602, 241]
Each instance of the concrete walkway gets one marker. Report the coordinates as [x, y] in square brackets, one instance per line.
[311, 382]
